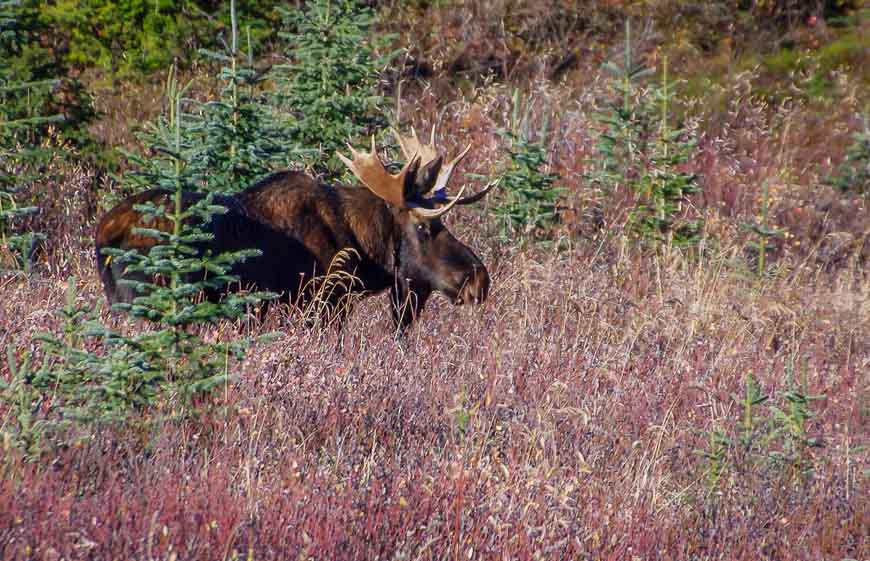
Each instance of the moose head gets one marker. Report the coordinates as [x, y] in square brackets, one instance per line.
[427, 256]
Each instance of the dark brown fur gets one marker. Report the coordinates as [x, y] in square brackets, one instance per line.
[300, 226]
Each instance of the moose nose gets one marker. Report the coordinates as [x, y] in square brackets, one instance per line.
[476, 287]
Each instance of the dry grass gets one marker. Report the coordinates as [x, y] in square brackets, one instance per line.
[558, 421]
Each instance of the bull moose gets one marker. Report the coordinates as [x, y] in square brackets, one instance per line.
[389, 232]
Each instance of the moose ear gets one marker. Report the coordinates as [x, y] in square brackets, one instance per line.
[413, 172]
[424, 180]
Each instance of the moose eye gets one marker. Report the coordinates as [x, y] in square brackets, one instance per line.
[423, 230]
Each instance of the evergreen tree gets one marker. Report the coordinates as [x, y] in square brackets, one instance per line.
[179, 256]
[22, 118]
[36, 91]
[215, 150]
[158, 371]
[237, 139]
[529, 194]
[229, 142]
[327, 91]
[853, 175]
[640, 151]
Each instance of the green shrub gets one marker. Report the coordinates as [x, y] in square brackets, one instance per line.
[123, 36]
[74, 392]
[23, 428]
[663, 186]
[175, 257]
[213, 147]
[131, 37]
[16, 246]
[90, 389]
[237, 139]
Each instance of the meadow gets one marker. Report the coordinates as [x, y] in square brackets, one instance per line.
[614, 397]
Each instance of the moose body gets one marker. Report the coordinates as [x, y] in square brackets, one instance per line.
[390, 237]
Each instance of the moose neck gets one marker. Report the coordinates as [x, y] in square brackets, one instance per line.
[374, 226]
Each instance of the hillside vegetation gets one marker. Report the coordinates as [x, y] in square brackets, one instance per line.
[673, 359]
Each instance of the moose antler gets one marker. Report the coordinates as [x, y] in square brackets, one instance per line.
[371, 172]
[428, 152]
[470, 199]
[407, 189]
[411, 145]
